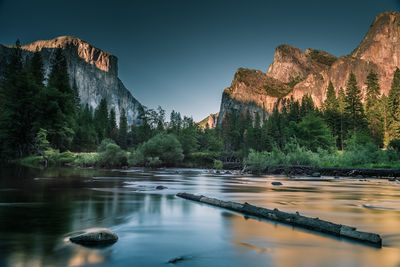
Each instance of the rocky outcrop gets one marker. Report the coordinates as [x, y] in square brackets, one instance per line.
[210, 122]
[94, 71]
[294, 73]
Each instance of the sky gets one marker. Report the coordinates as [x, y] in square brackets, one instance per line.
[182, 54]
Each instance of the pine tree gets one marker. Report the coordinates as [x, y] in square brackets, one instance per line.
[393, 106]
[123, 130]
[307, 105]
[111, 129]
[16, 106]
[36, 68]
[342, 124]
[77, 99]
[372, 108]
[59, 117]
[354, 109]
[331, 112]
[101, 120]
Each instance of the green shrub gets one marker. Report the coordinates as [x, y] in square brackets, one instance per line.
[111, 155]
[257, 161]
[394, 145]
[86, 159]
[160, 150]
[103, 146]
[218, 164]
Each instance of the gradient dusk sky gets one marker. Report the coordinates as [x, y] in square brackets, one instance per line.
[183, 54]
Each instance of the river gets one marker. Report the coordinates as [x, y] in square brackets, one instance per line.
[39, 209]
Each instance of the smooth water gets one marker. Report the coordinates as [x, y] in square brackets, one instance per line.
[40, 209]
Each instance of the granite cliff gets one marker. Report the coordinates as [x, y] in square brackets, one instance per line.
[94, 71]
[294, 73]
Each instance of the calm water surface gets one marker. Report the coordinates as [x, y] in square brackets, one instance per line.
[40, 209]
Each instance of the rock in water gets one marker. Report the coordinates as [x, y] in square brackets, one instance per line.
[96, 237]
[276, 183]
[161, 187]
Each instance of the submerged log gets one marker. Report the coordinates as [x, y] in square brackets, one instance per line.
[296, 219]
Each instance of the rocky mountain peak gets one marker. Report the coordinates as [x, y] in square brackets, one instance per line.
[92, 70]
[294, 73]
[90, 54]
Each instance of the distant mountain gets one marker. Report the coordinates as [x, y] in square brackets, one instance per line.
[94, 71]
[210, 122]
[294, 73]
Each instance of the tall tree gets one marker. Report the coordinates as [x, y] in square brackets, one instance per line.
[341, 109]
[394, 107]
[123, 130]
[101, 120]
[373, 111]
[112, 129]
[331, 112]
[59, 119]
[36, 68]
[354, 109]
[16, 93]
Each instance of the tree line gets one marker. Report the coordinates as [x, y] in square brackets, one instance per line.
[38, 113]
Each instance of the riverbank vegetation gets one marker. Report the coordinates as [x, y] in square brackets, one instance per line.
[42, 122]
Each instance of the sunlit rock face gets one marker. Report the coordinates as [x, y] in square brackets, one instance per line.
[94, 71]
[294, 73]
[209, 122]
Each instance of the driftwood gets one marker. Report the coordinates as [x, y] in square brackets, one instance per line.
[314, 224]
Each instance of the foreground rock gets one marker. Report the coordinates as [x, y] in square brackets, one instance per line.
[98, 237]
[314, 224]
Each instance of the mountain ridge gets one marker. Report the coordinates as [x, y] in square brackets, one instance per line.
[309, 72]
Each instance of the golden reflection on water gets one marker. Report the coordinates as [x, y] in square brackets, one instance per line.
[298, 247]
[84, 257]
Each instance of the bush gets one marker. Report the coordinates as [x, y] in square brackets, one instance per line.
[257, 161]
[394, 145]
[103, 146]
[162, 149]
[111, 155]
[86, 159]
[218, 164]
[203, 159]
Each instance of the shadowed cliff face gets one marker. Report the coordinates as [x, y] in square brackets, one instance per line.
[294, 73]
[94, 71]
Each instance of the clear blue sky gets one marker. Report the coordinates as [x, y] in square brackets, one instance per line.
[182, 54]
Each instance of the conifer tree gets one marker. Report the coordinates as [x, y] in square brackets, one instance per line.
[372, 108]
[393, 106]
[112, 130]
[15, 126]
[354, 109]
[123, 130]
[57, 104]
[331, 111]
[342, 125]
[101, 120]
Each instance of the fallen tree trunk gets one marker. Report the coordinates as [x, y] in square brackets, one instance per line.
[288, 218]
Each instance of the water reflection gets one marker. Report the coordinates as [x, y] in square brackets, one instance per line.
[38, 209]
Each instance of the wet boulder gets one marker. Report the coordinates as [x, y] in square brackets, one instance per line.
[98, 237]
[161, 187]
